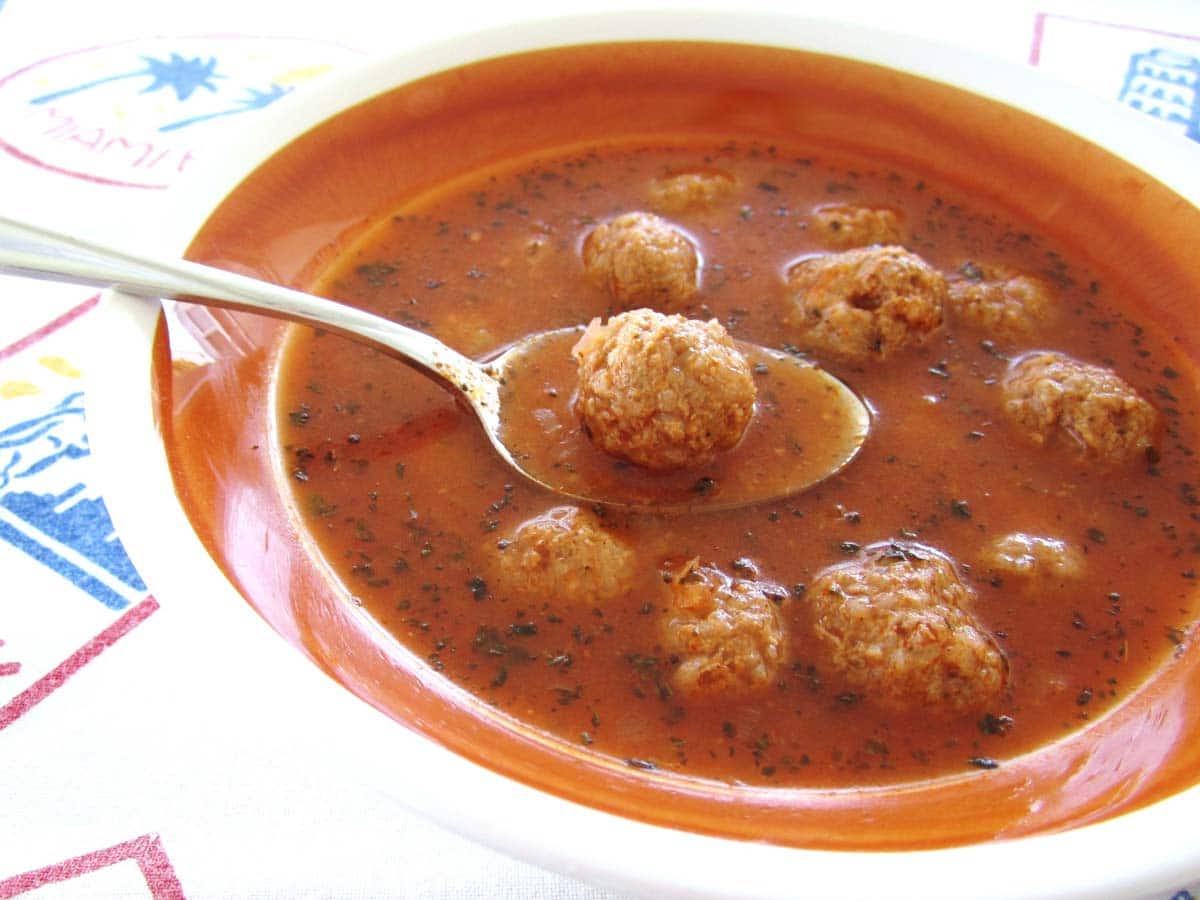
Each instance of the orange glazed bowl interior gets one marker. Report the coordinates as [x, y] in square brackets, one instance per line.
[1049, 822]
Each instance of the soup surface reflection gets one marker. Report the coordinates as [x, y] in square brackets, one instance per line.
[1012, 553]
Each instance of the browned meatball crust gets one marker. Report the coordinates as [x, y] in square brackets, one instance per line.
[692, 191]
[896, 623]
[865, 303]
[845, 225]
[662, 391]
[1055, 398]
[565, 554]
[726, 634]
[1000, 301]
[642, 260]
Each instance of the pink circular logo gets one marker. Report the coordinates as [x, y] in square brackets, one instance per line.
[143, 113]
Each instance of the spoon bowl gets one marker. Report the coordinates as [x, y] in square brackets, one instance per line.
[807, 426]
[827, 412]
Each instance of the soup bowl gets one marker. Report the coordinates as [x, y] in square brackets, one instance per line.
[185, 420]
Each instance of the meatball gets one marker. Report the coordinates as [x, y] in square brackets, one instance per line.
[564, 554]
[727, 633]
[642, 260]
[865, 303]
[690, 191]
[1000, 301]
[662, 391]
[1033, 557]
[846, 225]
[896, 623]
[1053, 397]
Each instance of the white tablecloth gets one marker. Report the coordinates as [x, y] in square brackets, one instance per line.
[137, 758]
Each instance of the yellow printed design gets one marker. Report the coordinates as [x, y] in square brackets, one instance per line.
[60, 366]
[11, 389]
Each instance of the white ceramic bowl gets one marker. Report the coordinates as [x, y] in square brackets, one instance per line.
[1151, 852]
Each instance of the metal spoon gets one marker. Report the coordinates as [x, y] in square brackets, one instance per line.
[839, 419]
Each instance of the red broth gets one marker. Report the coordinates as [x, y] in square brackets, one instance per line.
[407, 503]
[1103, 707]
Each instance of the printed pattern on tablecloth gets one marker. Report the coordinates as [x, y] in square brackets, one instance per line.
[1154, 72]
[52, 517]
[139, 867]
[134, 114]
[142, 113]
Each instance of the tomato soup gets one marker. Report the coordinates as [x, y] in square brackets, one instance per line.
[359, 507]
[408, 504]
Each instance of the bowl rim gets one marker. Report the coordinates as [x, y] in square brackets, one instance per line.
[558, 834]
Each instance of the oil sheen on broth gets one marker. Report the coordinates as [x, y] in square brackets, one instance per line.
[1063, 573]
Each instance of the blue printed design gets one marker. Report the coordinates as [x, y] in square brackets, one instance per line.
[45, 510]
[25, 433]
[1165, 84]
[254, 99]
[182, 75]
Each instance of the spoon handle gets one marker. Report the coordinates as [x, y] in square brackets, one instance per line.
[39, 253]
